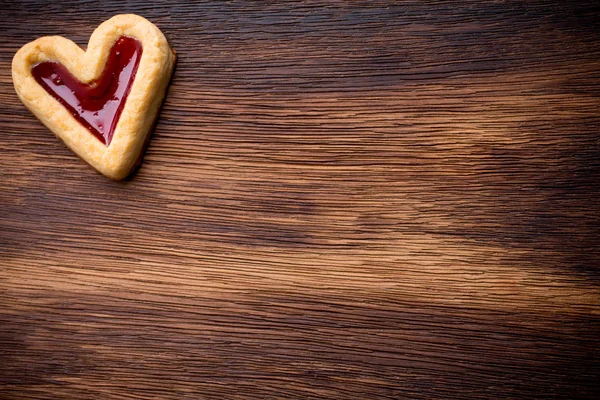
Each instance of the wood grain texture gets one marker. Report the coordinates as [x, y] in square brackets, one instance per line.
[341, 200]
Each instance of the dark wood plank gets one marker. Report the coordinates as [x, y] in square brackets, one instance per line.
[341, 200]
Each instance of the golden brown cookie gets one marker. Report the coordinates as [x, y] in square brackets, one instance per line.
[101, 102]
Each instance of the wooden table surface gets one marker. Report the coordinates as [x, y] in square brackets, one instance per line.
[341, 200]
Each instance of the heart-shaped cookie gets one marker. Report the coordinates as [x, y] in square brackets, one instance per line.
[102, 102]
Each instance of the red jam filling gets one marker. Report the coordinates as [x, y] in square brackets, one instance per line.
[97, 105]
